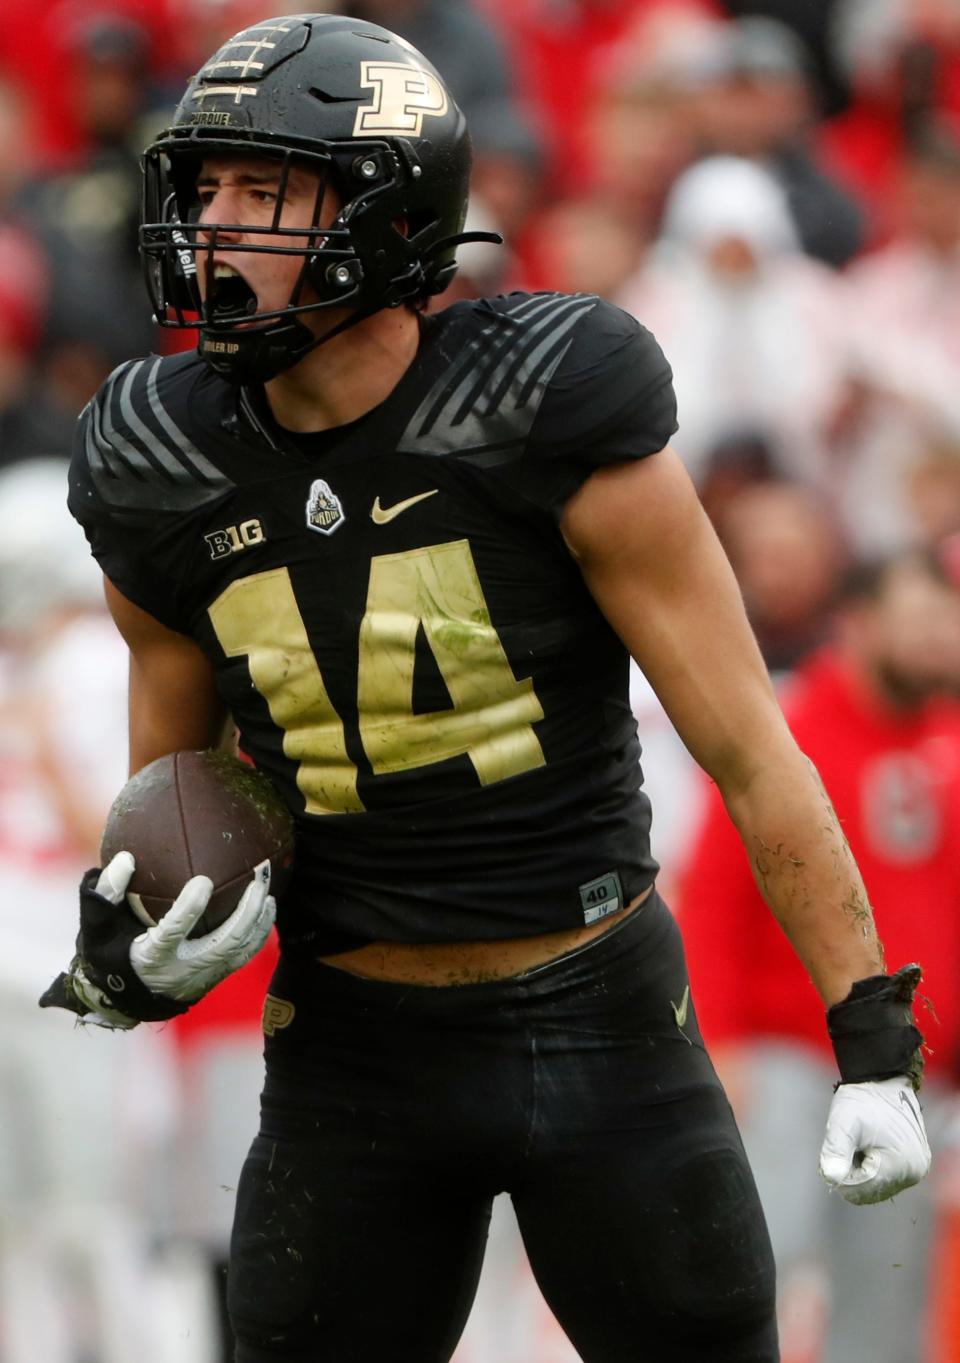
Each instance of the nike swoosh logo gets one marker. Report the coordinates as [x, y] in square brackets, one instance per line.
[380, 515]
[906, 1102]
[680, 1009]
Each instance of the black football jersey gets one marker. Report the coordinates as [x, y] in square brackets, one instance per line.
[402, 637]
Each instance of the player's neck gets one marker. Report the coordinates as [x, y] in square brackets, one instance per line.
[348, 375]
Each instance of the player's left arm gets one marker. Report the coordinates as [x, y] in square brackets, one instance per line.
[657, 571]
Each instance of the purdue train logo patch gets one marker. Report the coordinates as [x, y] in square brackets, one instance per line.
[325, 511]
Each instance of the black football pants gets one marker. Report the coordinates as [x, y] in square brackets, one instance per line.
[393, 1114]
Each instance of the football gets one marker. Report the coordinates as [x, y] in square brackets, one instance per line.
[198, 813]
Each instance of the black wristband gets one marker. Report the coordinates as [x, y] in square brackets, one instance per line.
[873, 1032]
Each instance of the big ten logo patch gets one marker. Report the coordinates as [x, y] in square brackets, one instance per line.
[233, 538]
[402, 96]
[277, 1014]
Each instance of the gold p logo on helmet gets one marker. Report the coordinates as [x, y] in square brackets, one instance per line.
[277, 1014]
[402, 97]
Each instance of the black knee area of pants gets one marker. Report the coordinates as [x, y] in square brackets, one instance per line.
[718, 1267]
[271, 1282]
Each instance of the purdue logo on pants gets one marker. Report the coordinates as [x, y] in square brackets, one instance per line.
[402, 96]
[277, 1014]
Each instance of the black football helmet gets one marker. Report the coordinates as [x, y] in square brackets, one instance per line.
[365, 111]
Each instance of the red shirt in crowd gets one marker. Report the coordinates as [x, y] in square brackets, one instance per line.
[894, 779]
[563, 55]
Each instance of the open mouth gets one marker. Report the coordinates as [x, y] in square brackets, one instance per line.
[229, 296]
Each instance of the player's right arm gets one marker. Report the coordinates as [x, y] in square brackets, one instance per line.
[173, 702]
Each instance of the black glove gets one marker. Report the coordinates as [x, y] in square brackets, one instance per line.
[101, 978]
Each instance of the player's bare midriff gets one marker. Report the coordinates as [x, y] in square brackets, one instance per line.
[446, 963]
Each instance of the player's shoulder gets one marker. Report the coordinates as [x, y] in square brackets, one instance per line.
[610, 395]
[532, 316]
[533, 327]
[142, 444]
[492, 363]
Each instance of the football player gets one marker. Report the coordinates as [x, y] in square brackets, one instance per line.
[410, 556]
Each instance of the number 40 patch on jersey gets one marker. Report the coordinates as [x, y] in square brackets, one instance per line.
[601, 897]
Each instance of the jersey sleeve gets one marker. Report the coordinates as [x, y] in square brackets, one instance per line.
[610, 399]
[612, 396]
[118, 540]
[133, 488]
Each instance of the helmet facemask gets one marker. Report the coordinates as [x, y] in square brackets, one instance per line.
[238, 338]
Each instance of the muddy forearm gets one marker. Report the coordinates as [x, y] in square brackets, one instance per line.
[805, 871]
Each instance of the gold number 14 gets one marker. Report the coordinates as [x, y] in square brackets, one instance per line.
[436, 587]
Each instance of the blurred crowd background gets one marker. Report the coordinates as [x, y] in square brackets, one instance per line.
[773, 188]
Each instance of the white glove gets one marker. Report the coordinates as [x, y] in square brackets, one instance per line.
[163, 958]
[875, 1144]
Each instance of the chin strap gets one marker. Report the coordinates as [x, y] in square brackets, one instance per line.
[260, 354]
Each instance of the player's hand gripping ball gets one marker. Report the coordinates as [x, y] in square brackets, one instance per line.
[185, 812]
[198, 813]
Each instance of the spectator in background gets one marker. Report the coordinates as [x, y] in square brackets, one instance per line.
[84, 222]
[905, 352]
[736, 462]
[788, 555]
[464, 47]
[751, 94]
[637, 132]
[38, 51]
[875, 713]
[753, 327]
[934, 492]
[76, 1197]
[21, 283]
[566, 52]
[507, 176]
[583, 246]
[902, 59]
[631, 141]
[63, 377]
[813, 26]
[23, 271]
[87, 216]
